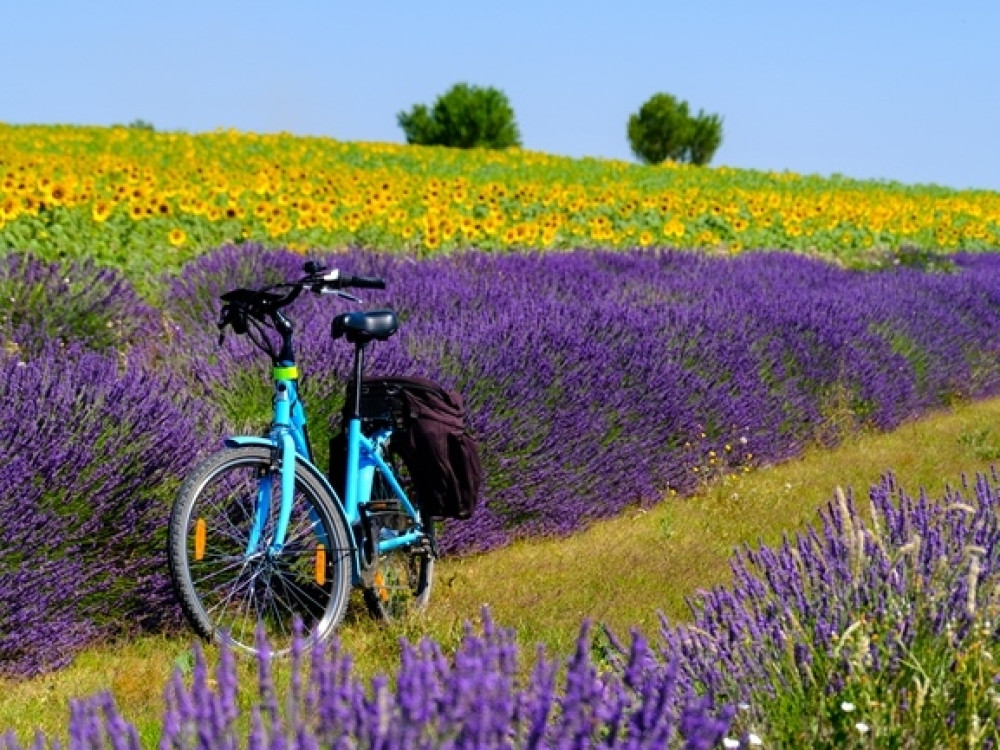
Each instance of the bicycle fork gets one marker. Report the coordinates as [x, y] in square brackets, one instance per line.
[265, 496]
[285, 451]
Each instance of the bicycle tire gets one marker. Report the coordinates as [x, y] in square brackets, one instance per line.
[229, 595]
[401, 585]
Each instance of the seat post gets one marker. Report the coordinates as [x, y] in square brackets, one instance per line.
[359, 366]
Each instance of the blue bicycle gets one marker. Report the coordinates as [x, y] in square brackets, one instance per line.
[259, 535]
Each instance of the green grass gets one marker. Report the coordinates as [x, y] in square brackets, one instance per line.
[623, 572]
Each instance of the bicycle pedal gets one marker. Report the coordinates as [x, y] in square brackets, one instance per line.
[426, 546]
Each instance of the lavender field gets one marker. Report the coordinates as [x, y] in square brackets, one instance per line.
[596, 381]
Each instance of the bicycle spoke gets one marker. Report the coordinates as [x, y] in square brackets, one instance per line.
[228, 595]
[205, 579]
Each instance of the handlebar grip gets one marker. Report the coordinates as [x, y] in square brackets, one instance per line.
[366, 282]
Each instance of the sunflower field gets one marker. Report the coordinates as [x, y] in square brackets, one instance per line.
[122, 194]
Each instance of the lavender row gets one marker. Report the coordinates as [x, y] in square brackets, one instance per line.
[93, 440]
[587, 371]
[477, 698]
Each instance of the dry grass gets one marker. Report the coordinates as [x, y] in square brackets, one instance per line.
[623, 572]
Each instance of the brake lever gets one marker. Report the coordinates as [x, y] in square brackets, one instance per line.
[348, 296]
[229, 317]
[341, 293]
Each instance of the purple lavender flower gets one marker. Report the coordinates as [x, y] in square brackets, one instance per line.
[474, 699]
[852, 592]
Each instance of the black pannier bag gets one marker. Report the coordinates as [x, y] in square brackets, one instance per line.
[431, 433]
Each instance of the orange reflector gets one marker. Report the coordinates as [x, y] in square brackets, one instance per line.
[383, 592]
[199, 539]
[320, 564]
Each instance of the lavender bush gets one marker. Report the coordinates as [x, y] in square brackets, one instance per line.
[91, 449]
[874, 629]
[589, 370]
[70, 302]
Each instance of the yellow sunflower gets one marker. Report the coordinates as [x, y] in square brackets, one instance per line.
[101, 211]
[9, 209]
[176, 237]
[55, 193]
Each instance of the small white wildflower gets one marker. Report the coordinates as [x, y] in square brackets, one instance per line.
[755, 739]
[743, 440]
[730, 742]
[847, 707]
[22, 364]
[862, 727]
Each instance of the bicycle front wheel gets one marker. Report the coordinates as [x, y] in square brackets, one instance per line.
[232, 581]
[401, 585]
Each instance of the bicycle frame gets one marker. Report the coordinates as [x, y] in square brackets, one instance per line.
[288, 439]
[364, 457]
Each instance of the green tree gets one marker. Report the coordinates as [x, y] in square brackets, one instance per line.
[141, 124]
[705, 139]
[663, 128]
[463, 117]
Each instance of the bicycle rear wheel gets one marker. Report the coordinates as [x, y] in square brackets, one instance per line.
[401, 585]
[230, 591]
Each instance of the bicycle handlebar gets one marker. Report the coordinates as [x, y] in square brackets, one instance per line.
[262, 304]
[367, 282]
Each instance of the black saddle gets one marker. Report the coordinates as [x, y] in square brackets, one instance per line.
[361, 327]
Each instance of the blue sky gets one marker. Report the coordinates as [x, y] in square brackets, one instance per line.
[906, 91]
